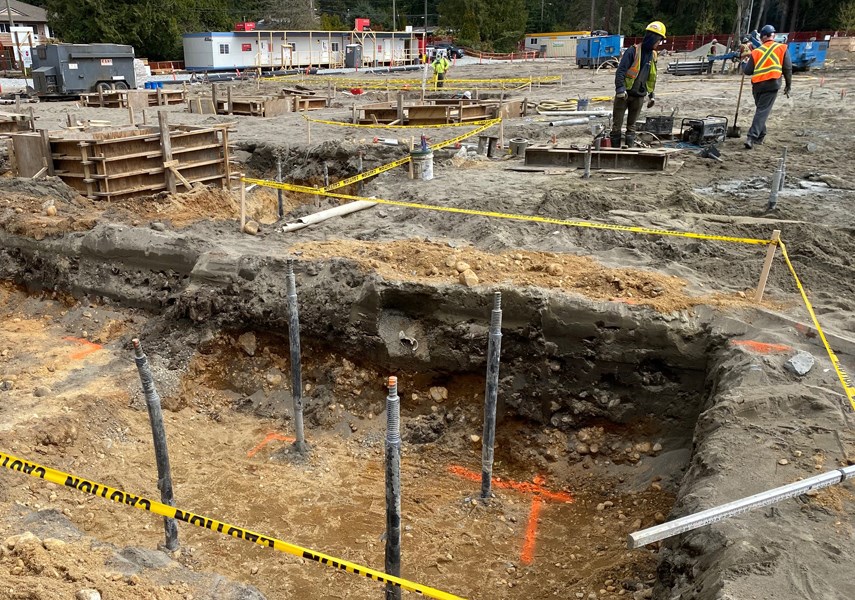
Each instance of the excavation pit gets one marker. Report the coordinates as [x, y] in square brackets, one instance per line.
[597, 406]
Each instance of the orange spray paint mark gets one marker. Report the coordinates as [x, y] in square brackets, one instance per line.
[520, 486]
[761, 347]
[540, 495]
[269, 438]
[90, 347]
[527, 554]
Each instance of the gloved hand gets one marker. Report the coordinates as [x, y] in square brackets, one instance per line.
[787, 91]
[651, 102]
[620, 94]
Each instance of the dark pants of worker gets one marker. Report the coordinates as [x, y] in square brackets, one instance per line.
[763, 100]
[439, 79]
[634, 104]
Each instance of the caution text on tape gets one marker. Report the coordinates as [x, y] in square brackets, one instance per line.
[386, 126]
[87, 486]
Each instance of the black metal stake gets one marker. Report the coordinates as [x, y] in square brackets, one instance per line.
[161, 452]
[494, 350]
[296, 375]
[393, 488]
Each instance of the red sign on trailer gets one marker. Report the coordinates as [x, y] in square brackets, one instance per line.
[246, 26]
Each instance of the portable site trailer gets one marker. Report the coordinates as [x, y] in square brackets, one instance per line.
[74, 69]
[559, 44]
[230, 50]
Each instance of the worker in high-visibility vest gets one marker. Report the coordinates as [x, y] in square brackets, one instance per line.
[635, 80]
[440, 66]
[766, 65]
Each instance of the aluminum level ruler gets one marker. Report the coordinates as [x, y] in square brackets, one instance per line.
[724, 511]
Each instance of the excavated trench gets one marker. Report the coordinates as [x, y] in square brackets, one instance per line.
[586, 387]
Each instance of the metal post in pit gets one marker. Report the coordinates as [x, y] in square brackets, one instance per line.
[494, 349]
[161, 452]
[393, 488]
[296, 374]
[279, 193]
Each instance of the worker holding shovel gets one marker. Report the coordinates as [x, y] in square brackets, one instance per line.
[766, 65]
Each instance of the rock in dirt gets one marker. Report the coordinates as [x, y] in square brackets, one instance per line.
[51, 211]
[555, 270]
[7, 385]
[833, 181]
[438, 394]
[157, 226]
[248, 343]
[424, 429]
[251, 227]
[468, 278]
[41, 391]
[801, 363]
[87, 594]
[462, 266]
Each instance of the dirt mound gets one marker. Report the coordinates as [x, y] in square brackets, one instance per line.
[432, 262]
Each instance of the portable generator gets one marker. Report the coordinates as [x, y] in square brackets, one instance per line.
[702, 132]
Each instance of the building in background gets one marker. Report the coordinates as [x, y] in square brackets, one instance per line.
[271, 50]
[29, 28]
[557, 44]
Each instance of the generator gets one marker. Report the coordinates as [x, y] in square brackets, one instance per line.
[595, 50]
[807, 55]
[702, 132]
[68, 70]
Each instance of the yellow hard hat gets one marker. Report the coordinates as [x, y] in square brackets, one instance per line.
[657, 27]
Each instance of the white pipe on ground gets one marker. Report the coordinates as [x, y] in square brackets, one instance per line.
[319, 217]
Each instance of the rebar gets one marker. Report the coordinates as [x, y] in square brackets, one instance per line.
[494, 349]
[280, 195]
[296, 367]
[393, 488]
[161, 451]
[776, 185]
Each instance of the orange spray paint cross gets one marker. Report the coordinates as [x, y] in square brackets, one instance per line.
[539, 495]
[272, 436]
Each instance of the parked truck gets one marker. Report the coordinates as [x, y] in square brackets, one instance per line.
[68, 70]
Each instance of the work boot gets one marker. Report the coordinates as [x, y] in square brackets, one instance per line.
[630, 139]
[749, 144]
[614, 138]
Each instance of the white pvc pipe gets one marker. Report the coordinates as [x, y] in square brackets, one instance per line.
[319, 217]
[571, 113]
[583, 121]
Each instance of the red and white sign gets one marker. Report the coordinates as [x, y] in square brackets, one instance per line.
[106, 62]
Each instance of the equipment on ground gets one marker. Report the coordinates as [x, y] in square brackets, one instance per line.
[807, 55]
[661, 125]
[734, 131]
[353, 56]
[702, 132]
[593, 51]
[68, 70]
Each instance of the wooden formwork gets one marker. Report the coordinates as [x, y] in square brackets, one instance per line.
[15, 122]
[137, 99]
[259, 105]
[127, 162]
[437, 111]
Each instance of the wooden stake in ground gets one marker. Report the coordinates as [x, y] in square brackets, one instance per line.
[166, 147]
[767, 265]
[242, 205]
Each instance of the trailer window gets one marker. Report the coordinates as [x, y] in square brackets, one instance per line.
[335, 46]
[533, 41]
[224, 48]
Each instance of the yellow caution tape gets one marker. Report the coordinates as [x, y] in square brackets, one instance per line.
[841, 374]
[119, 497]
[510, 216]
[356, 82]
[384, 126]
[366, 174]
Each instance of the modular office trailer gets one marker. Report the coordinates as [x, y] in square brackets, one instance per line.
[230, 50]
[73, 69]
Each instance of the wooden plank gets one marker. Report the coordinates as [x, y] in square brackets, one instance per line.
[166, 146]
[46, 151]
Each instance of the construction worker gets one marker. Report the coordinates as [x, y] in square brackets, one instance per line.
[635, 79]
[440, 66]
[745, 47]
[766, 65]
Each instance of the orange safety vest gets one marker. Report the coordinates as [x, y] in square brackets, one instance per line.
[768, 61]
[635, 68]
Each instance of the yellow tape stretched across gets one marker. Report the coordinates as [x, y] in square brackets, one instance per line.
[86, 486]
[841, 374]
[376, 171]
[357, 82]
[383, 126]
[511, 216]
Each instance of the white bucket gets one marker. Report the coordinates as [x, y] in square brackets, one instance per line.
[422, 164]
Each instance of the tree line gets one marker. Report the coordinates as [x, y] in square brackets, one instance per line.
[154, 27]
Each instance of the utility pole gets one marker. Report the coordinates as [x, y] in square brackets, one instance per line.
[425, 26]
[619, 19]
[593, 6]
[394, 17]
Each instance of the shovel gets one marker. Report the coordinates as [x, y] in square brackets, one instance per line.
[734, 131]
